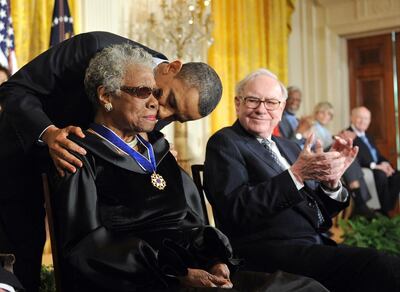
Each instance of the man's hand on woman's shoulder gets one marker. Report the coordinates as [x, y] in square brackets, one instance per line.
[59, 147]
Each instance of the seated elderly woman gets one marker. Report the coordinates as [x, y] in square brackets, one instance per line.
[122, 221]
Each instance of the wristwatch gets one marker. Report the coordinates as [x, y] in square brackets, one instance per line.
[298, 136]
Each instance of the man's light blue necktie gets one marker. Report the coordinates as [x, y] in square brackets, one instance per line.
[372, 150]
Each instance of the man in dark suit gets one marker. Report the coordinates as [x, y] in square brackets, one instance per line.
[43, 103]
[275, 201]
[387, 179]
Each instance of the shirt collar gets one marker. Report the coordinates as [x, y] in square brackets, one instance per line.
[358, 133]
[158, 61]
[289, 113]
[259, 139]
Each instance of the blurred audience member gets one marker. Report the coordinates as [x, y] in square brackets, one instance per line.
[387, 179]
[290, 126]
[323, 115]
[4, 75]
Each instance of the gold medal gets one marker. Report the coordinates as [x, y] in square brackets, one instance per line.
[158, 181]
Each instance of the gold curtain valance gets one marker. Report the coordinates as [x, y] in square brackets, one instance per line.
[248, 35]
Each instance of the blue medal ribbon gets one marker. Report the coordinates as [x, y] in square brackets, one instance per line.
[148, 165]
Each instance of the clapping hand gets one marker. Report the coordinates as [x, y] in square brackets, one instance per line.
[317, 164]
[348, 152]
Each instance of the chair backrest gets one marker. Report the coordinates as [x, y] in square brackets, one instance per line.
[50, 220]
[197, 174]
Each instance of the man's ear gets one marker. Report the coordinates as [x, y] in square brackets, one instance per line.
[237, 104]
[103, 97]
[173, 67]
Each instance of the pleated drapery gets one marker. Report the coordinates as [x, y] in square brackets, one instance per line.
[248, 34]
[32, 25]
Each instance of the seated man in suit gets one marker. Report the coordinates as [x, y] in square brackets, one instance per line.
[123, 220]
[275, 202]
[46, 100]
[387, 179]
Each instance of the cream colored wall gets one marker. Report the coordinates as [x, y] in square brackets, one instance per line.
[126, 18]
[318, 50]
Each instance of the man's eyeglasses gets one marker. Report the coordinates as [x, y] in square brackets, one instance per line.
[142, 91]
[254, 102]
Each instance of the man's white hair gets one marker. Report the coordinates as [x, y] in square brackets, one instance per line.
[262, 71]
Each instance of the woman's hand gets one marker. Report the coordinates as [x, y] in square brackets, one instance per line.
[201, 278]
[59, 147]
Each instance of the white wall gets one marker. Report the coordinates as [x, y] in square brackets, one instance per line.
[318, 50]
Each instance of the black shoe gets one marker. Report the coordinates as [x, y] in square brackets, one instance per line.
[364, 211]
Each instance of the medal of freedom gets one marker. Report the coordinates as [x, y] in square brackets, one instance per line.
[158, 181]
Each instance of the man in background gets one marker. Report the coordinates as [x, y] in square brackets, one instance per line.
[387, 179]
[290, 126]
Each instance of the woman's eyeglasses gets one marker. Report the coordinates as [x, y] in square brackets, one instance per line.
[142, 91]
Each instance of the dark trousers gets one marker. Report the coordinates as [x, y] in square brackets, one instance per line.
[388, 189]
[21, 206]
[338, 268]
[22, 223]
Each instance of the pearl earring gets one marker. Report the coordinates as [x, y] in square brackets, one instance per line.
[108, 107]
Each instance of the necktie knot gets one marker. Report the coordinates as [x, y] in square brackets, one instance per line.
[266, 143]
[268, 146]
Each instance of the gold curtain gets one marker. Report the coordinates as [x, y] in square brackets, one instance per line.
[248, 34]
[32, 25]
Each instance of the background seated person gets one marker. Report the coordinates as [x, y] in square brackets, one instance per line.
[290, 126]
[387, 179]
[275, 202]
[123, 220]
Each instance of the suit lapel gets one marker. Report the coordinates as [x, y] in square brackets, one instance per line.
[261, 152]
[290, 156]
[253, 145]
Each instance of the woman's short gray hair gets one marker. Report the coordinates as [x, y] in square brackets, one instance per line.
[242, 83]
[323, 106]
[108, 67]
